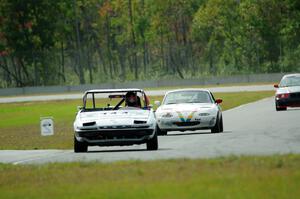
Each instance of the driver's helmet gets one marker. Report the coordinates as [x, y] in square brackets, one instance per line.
[131, 99]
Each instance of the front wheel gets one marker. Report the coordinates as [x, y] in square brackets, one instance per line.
[152, 144]
[218, 126]
[80, 147]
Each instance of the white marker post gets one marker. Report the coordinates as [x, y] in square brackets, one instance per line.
[47, 126]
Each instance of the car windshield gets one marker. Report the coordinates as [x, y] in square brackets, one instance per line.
[290, 81]
[114, 101]
[179, 97]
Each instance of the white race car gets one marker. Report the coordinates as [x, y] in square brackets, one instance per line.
[189, 109]
[110, 117]
[288, 92]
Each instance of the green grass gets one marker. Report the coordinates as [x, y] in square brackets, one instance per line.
[230, 177]
[19, 122]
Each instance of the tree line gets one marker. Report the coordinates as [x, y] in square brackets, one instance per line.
[65, 42]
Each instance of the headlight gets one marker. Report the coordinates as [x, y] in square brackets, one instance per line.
[204, 114]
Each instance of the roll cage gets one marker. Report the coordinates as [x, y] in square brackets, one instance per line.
[144, 97]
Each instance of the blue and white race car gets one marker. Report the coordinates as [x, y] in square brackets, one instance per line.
[189, 109]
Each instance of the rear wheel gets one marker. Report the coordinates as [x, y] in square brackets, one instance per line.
[221, 124]
[80, 147]
[152, 144]
[218, 126]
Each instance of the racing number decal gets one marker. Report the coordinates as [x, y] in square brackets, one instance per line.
[188, 119]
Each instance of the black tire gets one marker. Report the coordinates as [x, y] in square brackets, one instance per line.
[152, 144]
[80, 147]
[218, 126]
[221, 124]
[160, 132]
[279, 109]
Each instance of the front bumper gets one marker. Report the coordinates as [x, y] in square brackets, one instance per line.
[115, 137]
[174, 124]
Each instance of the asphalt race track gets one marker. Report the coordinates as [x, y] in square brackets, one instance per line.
[252, 129]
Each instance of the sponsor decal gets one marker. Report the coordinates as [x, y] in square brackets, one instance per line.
[188, 119]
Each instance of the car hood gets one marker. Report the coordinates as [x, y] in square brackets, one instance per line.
[186, 107]
[119, 117]
[291, 89]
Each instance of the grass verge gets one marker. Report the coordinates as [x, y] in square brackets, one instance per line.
[230, 177]
[19, 122]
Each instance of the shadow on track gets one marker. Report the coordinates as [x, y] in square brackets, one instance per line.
[292, 109]
[126, 150]
[194, 133]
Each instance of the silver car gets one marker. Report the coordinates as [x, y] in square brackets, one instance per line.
[108, 119]
[189, 109]
[288, 92]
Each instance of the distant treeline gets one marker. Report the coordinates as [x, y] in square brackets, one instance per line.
[45, 42]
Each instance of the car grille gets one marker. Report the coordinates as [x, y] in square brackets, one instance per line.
[109, 135]
[186, 123]
[89, 124]
[123, 127]
[295, 95]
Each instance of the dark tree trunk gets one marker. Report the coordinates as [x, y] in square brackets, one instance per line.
[78, 43]
[211, 59]
[102, 60]
[108, 42]
[121, 52]
[89, 63]
[5, 67]
[36, 70]
[62, 73]
[162, 53]
[134, 54]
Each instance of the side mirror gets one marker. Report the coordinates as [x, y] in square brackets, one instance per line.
[276, 86]
[79, 108]
[219, 101]
[157, 103]
[150, 105]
